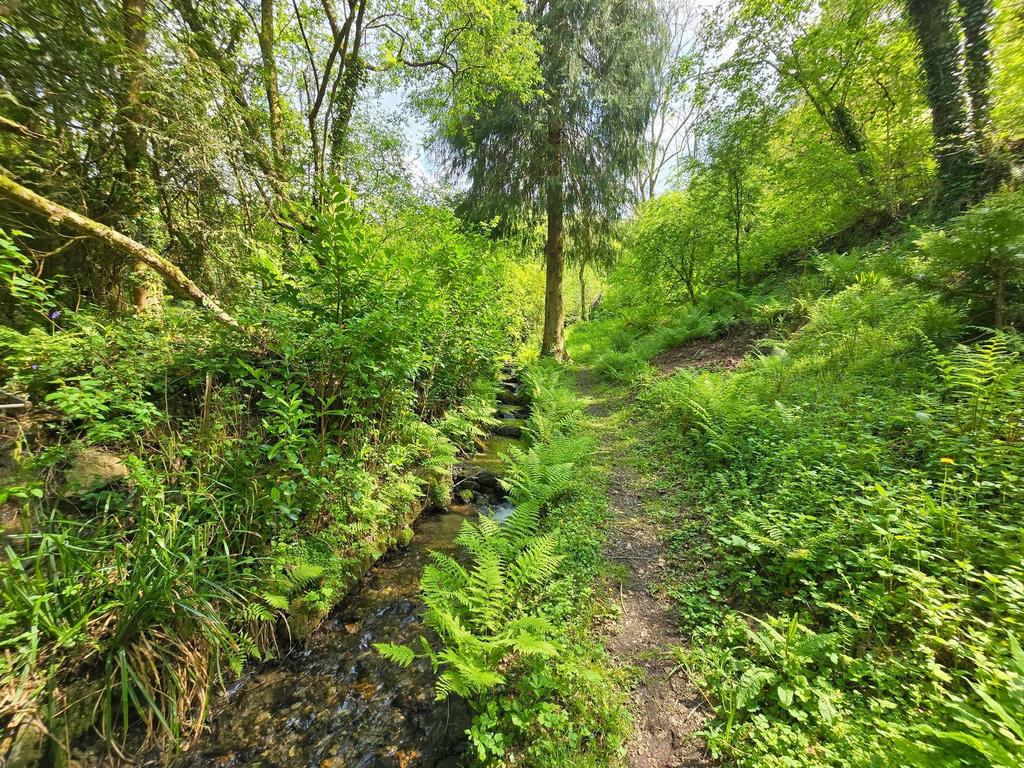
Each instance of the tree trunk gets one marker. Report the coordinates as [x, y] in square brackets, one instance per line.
[737, 206]
[583, 292]
[270, 84]
[999, 309]
[977, 20]
[344, 108]
[553, 344]
[932, 22]
[853, 140]
[845, 128]
[131, 211]
[688, 275]
[58, 214]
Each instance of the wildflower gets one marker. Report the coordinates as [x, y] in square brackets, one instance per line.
[947, 460]
[55, 314]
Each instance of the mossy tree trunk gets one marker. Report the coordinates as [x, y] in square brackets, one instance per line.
[938, 39]
[131, 121]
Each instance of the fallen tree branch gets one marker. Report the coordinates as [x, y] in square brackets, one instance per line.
[58, 214]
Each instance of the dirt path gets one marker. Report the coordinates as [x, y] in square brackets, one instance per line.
[667, 710]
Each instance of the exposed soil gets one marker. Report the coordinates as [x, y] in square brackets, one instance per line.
[724, 353]
[667, 710]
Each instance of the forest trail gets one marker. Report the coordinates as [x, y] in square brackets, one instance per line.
[667, 710]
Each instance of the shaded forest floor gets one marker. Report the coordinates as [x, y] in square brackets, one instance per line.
[667, 710]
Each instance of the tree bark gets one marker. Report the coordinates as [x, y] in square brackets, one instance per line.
[270, 84]
[688, 270]
[58, 214]
[932, 22]
[133, 139]
[845, 128]
[553, 344]
[852, 138]
[736, 203]
[977, 20]
[344, 108]
[999, 309]
[17, 128]
[583, 291]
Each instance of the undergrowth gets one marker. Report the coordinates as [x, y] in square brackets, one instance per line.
[184, 499]
[843, 514]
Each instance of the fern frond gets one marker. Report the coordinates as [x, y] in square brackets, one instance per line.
[536, 564]
[402, 655]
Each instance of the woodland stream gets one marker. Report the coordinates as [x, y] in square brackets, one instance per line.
[334, 702]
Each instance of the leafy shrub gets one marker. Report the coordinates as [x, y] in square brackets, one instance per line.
[978, 258]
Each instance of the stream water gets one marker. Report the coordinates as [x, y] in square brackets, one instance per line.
[335, 702]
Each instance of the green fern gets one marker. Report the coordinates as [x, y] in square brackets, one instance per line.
[983, 386]
[402, 655]
[485, 614]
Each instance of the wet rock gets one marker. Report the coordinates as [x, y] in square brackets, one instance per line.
[486, 480]
[509, 430]
[508, 397]
[93, 469]
[507, 412]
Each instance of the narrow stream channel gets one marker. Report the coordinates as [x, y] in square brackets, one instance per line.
[334, 702]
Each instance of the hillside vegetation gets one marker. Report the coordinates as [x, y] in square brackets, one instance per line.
[829, 401]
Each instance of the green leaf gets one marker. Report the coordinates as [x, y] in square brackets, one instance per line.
[277, 601]
[827, 709]
[402, 655]
[785, 696]
[750, 685]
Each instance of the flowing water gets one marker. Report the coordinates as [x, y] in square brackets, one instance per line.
[334, 702]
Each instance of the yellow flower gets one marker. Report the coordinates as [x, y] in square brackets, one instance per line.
[947, 460]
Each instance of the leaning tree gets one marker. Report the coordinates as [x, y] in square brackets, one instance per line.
[565, 156]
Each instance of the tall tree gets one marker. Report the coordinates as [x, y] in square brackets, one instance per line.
[670, 131]
[802, 49]
[976, 18]
[568, 155]
[957, 79]
[131, 119]
[265, 35]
